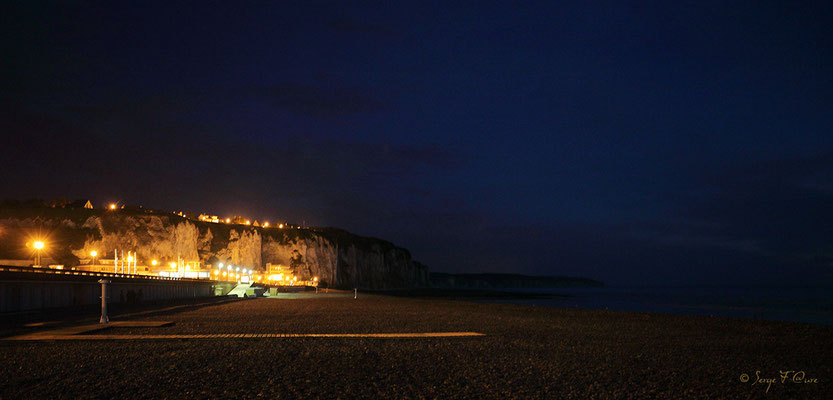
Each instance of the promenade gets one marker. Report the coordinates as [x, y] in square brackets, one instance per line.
[334, 346]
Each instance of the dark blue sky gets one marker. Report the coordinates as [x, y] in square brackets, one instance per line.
[658, 143]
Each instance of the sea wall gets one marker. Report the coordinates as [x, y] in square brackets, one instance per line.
[20, 292]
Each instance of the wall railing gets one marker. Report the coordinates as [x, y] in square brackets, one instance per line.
[53, 271]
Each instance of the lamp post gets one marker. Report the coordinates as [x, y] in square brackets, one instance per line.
[104, 319]
[93, 255]
[38, 247]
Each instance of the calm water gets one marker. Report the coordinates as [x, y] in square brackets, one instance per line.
[812, 305]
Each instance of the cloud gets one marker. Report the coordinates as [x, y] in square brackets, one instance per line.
[769, 217]
[166, 163]
[784, 204]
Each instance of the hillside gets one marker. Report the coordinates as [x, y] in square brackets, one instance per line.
[337, 257]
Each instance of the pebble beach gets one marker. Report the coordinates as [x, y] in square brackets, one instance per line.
[526, 352]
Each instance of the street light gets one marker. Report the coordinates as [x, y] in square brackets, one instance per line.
[93, 254]
[220, 265]
[154, 262]
[38, 247]
[112, 206]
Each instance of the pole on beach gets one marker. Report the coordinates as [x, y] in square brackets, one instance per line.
[355, 292]
[104, 319]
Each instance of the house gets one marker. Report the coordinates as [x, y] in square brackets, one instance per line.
[82, 203]
[209, 218]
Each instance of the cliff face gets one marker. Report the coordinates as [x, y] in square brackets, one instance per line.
[338, 258]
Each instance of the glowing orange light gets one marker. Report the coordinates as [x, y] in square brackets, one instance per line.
[112, 206]
[38, 245]
[93, 253]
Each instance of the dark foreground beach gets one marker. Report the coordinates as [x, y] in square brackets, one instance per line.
[528, 352]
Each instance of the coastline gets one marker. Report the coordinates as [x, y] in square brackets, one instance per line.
[794, 304]
[527, 352]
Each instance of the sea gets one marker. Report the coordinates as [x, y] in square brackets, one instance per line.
[797, 304]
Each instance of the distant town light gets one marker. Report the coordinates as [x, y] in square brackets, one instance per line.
[265, 224]
[154, 262]
[38, 245]
[315, 279]
[173, 265]
[93, 253]
[220, 265]
[129, 258]
[280, 226]
[112, 206]
[228, 220]
[248, 222]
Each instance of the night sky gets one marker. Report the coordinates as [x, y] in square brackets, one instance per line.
[664, 143]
